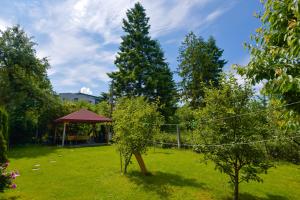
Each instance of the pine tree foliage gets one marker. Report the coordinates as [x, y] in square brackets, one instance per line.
[142, 68]
[200, 64]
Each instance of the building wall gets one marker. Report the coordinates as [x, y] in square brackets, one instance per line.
[79, 97]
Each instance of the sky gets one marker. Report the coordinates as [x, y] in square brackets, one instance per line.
[81, 37]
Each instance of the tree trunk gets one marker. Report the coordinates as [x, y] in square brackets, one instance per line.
[121, 162]
[140, 160]
[236, 185]
[127, 161]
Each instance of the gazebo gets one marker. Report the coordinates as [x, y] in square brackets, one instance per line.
[81, 116]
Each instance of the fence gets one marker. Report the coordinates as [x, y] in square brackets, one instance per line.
[173, 135]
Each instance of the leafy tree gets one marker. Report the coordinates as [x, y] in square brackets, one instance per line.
[200, 64]
[142, 69]
[135, 123]
[275, 56]
[228, 118]
[25, 89]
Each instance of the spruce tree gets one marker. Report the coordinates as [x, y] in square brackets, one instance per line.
[200, 65]
[142, 68]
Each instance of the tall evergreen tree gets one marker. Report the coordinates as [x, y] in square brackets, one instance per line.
[200, 64]
[143, 70]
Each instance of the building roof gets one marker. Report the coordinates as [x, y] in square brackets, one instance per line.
[83, 115]
[79, 93]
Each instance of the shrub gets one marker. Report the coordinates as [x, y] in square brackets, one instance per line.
[6, 177]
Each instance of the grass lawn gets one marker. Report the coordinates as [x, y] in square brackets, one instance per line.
[93, 173]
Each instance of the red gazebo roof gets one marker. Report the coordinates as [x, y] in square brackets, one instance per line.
[83, 115]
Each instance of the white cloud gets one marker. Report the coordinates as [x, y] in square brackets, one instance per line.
[77, 33]
[214, 15]
[86, 90]
[4, 24]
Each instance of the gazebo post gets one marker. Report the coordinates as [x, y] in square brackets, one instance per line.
[54, 141]
[64, 135]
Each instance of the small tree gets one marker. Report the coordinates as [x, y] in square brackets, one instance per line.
[135, 122]
[228, 118]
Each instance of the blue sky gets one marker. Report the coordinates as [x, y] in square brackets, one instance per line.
[81, 38]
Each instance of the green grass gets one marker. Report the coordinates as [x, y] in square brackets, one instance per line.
[93, 173]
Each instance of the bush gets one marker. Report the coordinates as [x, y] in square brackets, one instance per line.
[6, 178]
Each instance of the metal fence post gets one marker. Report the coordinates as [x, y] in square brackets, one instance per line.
[178, 136]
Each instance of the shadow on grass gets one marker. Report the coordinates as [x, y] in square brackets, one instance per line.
[160, 182]
[160, 152]
[10, 198]
[34, 151]
[248, 196]
[30, 151]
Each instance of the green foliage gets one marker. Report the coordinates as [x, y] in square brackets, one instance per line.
[275, 56]
[3, 135]
[186, 117]
[25, 89]
[284, 122]
[6, 177]
[4, 123]
[135, 122]
[143, 70]
[200, 64]
[228, 118]
[103, 108]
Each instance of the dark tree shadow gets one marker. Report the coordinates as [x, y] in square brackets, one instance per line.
[160, 152]
[159, 182]
[10, 198]
[248, 196]
[34, 151]
[30, 151]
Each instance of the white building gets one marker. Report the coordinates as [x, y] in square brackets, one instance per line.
[79, 97]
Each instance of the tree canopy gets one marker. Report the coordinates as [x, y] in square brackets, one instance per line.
[200, 64]
[25, 89]
[142, 69]
[275, 54]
